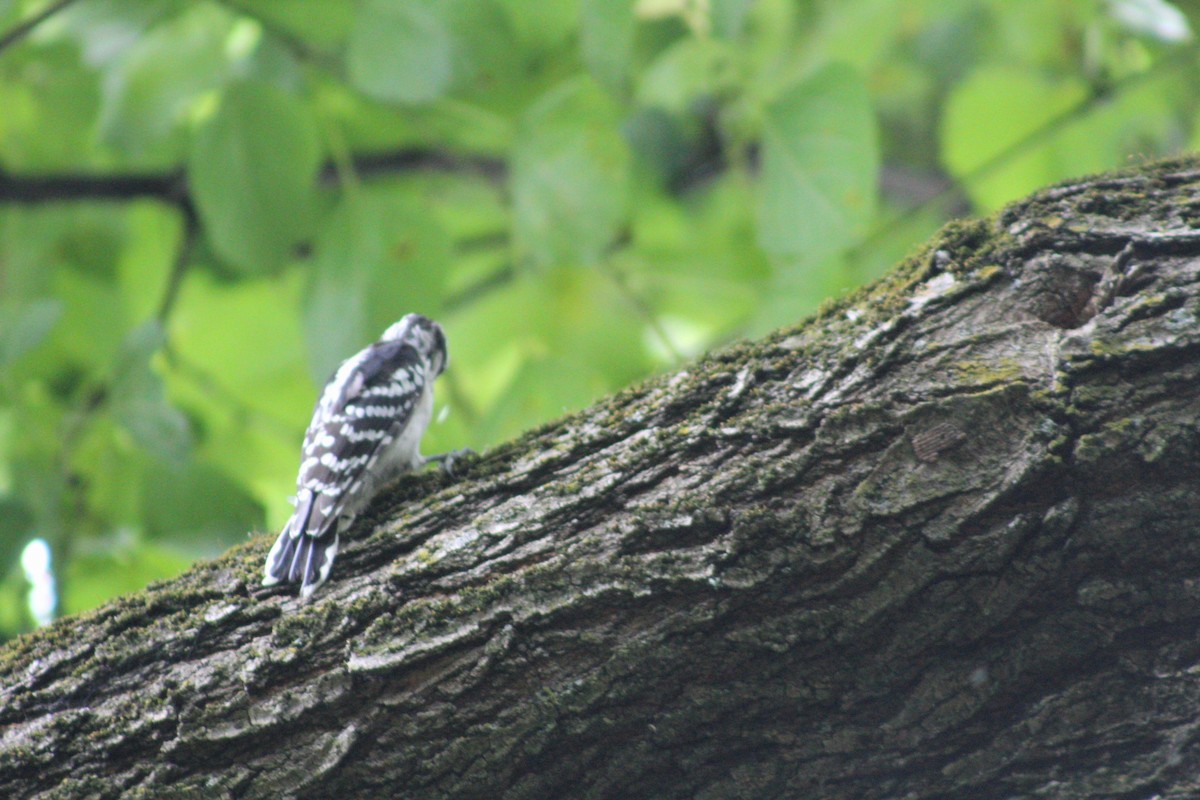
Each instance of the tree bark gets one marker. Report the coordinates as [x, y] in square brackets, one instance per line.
[942, 540]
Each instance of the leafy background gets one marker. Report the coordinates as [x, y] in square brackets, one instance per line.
[204, 206]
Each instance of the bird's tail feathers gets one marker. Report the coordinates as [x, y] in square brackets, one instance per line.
[299, 557]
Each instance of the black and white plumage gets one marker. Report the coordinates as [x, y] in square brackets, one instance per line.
[365, 430]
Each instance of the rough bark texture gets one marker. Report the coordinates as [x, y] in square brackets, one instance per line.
[941, 541]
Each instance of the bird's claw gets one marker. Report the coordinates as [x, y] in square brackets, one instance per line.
[446, 460]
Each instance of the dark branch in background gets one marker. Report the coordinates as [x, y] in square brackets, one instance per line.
[172, 187]
[704, 161]
[25, 27]
[421, 160]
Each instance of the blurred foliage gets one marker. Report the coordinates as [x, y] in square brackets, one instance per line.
[204, 206]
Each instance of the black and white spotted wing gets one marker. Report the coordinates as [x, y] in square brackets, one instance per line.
[363, 411]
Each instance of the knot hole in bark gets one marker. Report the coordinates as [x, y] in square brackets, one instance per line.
[1061, 290]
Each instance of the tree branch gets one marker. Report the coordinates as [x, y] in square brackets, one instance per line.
[172, 187]
[938, 542]
[169, 187]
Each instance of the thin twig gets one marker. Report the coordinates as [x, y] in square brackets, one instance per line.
[640, 307]
[1016, 148]
[26, 26]
[191, 233]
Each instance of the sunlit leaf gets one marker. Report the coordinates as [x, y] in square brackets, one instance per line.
[820, 166]
[252, 170]
[992, 111]
[244, 341]
[120, 568]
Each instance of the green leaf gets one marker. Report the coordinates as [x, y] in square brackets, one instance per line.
[138, 401]
[697, 266]
[150, 91]
[77, 338]
[245, 339]
[49, 102]
[260, 456]
[319, 23]
[576, 336]
[92, 578]
[819, 166]
[490, 70]
[570, 175]
[22, 329]
[727, 17]
[381, 255]
[689, 69]
[606, 30]
[145, 263]
[996, 108]
[539, 393]
[106, 29]
[795, 291]
[400, 51]
[543, 27]
[252, 168]
[16, 528]
[197, 508]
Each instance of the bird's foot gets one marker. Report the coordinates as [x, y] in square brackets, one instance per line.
[446, 460]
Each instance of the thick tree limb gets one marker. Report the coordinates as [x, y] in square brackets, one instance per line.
[939, 542]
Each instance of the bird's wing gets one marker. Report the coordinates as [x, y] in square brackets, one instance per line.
[361, 410]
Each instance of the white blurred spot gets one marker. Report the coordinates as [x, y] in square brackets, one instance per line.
[1156, 18]
[42, 597]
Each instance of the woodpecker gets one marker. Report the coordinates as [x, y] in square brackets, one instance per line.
[366, 429]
